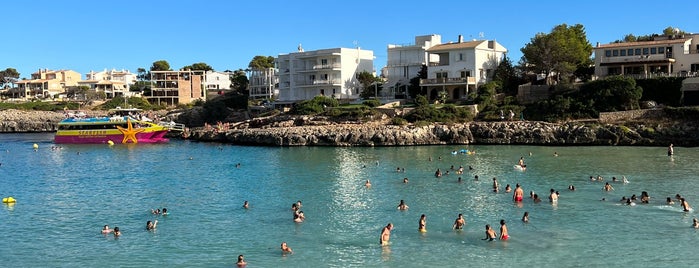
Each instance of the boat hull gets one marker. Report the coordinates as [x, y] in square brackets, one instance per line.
[104, 137]
[112, 130]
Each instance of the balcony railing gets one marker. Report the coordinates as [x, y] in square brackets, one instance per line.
[441, 81]
[326, 66]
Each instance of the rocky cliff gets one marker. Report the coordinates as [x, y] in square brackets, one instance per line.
[12, 121]
[310, 132]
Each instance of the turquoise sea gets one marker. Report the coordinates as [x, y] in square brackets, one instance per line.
[64, 197]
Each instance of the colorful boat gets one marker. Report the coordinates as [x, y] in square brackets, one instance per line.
[118, 128]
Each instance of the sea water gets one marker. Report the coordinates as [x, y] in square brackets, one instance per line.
[65, 195]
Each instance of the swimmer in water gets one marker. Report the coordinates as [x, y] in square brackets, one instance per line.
[695, 223]
[669, 201]
[402, 205]
[246, 205]
[608, 187]
[422, 224]
[151, 225]
[685, 205]
[106, 229]
[405, 180]
[367, 184]
[503, 231]
[117, 232]
[508, 188]
[518, 196]
[525, 218]
[459, 222]
[386, 234]
[286, 249]
[495, 185]
[490, 234]
[241, 261]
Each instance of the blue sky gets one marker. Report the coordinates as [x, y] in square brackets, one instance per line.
[97, 35]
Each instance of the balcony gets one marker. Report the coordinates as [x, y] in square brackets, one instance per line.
[448, 81]
[326, 66]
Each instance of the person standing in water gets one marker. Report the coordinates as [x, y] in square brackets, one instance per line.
[459, 222]
[490, 234]
[422, 224]
[386, 234]
[670, 150]
[503, 231]
[518, 196]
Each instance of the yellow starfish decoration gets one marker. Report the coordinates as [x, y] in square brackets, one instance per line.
[130, 132]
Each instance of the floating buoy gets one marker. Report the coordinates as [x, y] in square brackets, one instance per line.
[8, 200]
[110, 142]
[35, 146]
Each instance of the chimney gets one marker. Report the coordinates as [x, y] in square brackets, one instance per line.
[597, 44]
[461, 38]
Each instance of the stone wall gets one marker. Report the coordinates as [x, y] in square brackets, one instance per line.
[611, 117]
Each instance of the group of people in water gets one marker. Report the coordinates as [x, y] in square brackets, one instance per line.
[150, 225]
[491, 234]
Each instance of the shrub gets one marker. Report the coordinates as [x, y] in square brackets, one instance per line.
[372, 103]
[398, 121]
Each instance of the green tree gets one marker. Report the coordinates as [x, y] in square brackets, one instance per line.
[8, 77]
[506, 75]
[613, 93]
[261, 62]
[414, 88]
[199, 66]
[161, 65]
[371, 85]
[240, 82]
[560, 52]
[142, 74]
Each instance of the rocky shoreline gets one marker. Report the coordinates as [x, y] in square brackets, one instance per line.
[318, 131]
[306, 131]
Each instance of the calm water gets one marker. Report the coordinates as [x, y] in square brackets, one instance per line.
[65, 196]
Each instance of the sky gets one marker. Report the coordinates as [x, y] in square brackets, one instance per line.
[84, 35]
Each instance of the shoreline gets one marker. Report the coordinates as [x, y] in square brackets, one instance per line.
[319, 131]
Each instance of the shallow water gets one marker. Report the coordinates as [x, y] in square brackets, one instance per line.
[65, 196]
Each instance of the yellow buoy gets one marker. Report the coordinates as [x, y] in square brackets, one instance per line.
[8, 200]
[36, 146]
[110, 142]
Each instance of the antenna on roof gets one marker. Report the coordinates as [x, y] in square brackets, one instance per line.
[481, 35]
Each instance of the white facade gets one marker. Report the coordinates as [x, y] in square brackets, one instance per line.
[122, 76]
[664, 56]
[458, 68]
[328, 72]
[216, 81]
[263, 83]
[405, 62]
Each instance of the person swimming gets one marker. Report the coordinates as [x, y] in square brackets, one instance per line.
[402, 205]
[367, 184]
[151, 225]
[286, 249]
[241, 261]
[116, 232]
[106, 230]
[525, 217]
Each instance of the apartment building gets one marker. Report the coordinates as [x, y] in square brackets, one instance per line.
[263, 83]
[457, 68]
[325, 72]
[673, 55]
[112, 82]
[45, 83]
[176, 87]
[404, 63]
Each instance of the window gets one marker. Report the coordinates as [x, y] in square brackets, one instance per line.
[442, 75]
[461, 56]
[465, 74]
[608, 53]
[324, 61]
[653, 50]
[629, 51]
[615, 53]
[312, 77]
[661, 50]
[622, 52]
[637, 51]
[645, 51]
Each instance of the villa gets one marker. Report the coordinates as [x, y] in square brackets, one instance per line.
[45, 84]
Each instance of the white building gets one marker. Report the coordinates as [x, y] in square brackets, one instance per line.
[458, 68]
[405, 62]
[676, 55]
[217, 81]
[327, 72]
[263, 83]
[112, 82]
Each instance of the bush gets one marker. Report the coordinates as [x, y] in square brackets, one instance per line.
[372, 103]
[398, 121]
